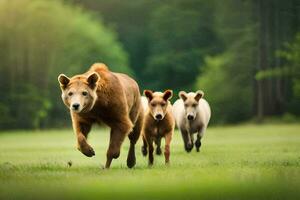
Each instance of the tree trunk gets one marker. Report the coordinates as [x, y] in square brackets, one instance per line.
[262, 59]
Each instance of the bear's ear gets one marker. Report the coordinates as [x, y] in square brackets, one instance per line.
[148, 94]
[63, 81]
[182, 95]
[168, 95]
[93, 80]
[199, 95]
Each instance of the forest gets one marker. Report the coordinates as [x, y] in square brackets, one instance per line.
[244, 54]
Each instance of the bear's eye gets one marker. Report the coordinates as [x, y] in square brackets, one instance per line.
[163, 104]
[153, 104]
[70, 93]
[84, 93]
[195, 105]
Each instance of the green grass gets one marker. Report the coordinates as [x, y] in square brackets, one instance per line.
[241, 162]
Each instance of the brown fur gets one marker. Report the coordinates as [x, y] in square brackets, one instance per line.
[154, 129]
[117, 103]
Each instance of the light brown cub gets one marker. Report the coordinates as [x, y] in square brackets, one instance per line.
[158, 123]
[100, 95]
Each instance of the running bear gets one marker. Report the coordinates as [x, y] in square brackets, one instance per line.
[100, 95]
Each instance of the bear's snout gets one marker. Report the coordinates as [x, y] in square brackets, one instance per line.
[158, 117]
[75, 106]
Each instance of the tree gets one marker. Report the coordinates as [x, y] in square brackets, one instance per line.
[278, 23]
[181, 35]
[40, 39]
[130, 19]
[227, 78]
[289, 70]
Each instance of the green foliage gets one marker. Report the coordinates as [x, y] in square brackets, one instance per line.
[286, 118]
[180, 35]
[167, 42]
[292, 55]
[227, 78]
[273, 73]
[40, 39]
[30, 107]
[166, 38]
[289, 69]
[226, 89]
[131, 20]
[169, 45]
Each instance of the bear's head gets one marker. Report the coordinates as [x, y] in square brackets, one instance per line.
[79, 92]
[158, 103]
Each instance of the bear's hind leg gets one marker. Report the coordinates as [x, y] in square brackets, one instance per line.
[117, 136]
[133, 137]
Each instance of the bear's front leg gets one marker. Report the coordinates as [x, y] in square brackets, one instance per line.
[81, 131]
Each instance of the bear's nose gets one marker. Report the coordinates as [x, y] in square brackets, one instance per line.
[75, 106]
[190, 117]
[158, 117]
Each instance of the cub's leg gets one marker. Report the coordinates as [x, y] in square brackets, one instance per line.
[144, 147]
[168, 138]
[81, 130]
[198, 141]
[188, 145]
[192, 140]
[133, 137]
[150, 149]
[158, 145]
[117, 135]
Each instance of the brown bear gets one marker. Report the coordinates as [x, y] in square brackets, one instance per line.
[158, 122]
[100, 95]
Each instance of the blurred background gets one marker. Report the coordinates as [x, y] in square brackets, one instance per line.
[244, 54]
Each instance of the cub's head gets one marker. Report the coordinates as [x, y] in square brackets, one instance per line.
[158, 103]
[191, 102]
[79, 92]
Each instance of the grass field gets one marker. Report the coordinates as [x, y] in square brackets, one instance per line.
[241, 162]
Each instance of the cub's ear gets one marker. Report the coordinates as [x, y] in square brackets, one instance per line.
[93, 80]
[199, 95]
[168, 95]
[63, 81]
[148, 94]
[182, 95]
